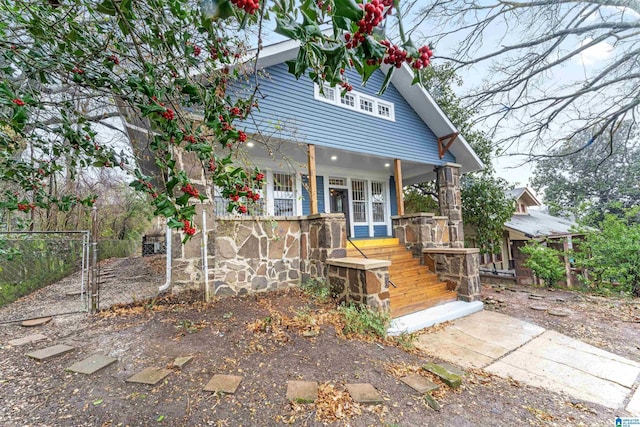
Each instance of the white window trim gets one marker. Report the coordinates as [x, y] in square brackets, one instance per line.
[356, 107]
[385, 202]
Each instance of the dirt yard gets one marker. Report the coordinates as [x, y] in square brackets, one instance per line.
[272, 338]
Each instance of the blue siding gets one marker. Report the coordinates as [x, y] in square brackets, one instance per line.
[289, 109]
[393, 195]
[361, 231]
[380, 231]
[306, 207]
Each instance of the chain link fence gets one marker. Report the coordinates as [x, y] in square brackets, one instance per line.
[43, 273]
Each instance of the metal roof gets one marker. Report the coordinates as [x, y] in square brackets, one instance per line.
[537, 224]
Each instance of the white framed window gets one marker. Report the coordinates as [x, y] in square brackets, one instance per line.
[348, 99]
[284, 194]
[339, 182]
[359, 200]
[255, 208]
[384, 110]
[328, 93]
[366, 104]
[356, 101]
[378, 205]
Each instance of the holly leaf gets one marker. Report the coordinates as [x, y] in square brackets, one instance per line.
[348, 9]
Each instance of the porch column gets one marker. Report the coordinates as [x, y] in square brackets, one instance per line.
[397, 164]
[313, 189]
[450, 200]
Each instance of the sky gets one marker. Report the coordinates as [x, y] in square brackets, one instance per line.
[515, 169]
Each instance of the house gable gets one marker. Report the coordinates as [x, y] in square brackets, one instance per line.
[288, 110]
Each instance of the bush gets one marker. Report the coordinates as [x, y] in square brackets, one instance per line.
[545, 262]
[611, 255]
[361, 320]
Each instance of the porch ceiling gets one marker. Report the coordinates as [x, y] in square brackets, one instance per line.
[296, 155]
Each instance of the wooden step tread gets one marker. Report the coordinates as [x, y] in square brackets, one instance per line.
[422, 284]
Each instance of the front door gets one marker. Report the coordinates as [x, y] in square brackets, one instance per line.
[339, 199]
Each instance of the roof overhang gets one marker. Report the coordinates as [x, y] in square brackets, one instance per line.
[417, 97]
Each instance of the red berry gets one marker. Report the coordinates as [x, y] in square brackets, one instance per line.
[19, 102]
[242, 208]
[242, 137]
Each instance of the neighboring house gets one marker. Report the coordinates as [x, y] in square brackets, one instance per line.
[341, 159]
[531, 224]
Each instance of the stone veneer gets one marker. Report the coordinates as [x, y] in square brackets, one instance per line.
[421, 230]
[358, 280]
[460, 267]
[253, 254]
[450, 201]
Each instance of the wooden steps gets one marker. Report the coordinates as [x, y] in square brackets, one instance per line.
[417, 288]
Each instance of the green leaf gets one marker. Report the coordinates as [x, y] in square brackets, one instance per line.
[348, 9]
[98, 402]
[160, 418]
[289, 28]
[387, 80]
[107, 8]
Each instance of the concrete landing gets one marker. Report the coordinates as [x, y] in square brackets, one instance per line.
[512, 348]
[432, 316]
[479, 339]
[562, 364]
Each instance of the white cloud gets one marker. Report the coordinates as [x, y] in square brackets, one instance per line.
[596, 53]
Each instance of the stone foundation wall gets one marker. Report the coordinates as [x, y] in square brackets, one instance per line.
[254, 254]
[421, 230]
[458, 266]
[360, 281]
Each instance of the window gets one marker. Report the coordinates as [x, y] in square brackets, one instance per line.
[359, 196]
[366, 105]
[377, 201]
[337, 181]
[384, 110]
[348, 100]
[328, 93]
[356, 101]
[284, 196]
[221, 204]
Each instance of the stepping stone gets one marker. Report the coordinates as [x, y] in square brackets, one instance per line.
[559, 313]
[419, 383]
[433, 403]
[50, 352]
[151, 376]
[92, 364]
[539, 307]
[452, 369]
[302, 391]
[29, 339]
[180, 362]
[449, 378]
[223, 384]
[36, 322]
[364, 393]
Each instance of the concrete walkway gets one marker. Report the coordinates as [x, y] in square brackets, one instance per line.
[511, 348]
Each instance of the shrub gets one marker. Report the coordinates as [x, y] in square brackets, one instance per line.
[611, 255]
[545, 262]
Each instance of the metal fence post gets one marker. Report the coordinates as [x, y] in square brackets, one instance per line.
[95, 305]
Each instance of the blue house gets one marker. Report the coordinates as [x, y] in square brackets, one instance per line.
[366, 146]
[335, 166]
